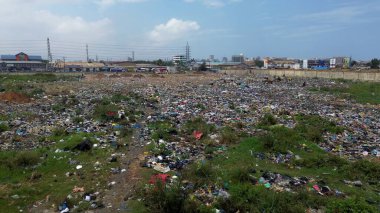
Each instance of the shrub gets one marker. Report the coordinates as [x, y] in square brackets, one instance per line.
[106, 112]
[267, 120]
[241, 174]
[248, 198]
[280, 139]
[118, 97]
[351, 205]
[27, 158]
[362, 169]
[3, 127]
[228, 136]
[165, 198]
[319, 161]
[58, 107]
[162, 130]
[312, 127]
[78, 120]
[200, 125]
[59, 132]
[204, 170]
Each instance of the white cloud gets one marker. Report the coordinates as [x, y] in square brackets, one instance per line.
[173, 30]
[34, 24]
[213, 3]
[31, 22]
[106, 3]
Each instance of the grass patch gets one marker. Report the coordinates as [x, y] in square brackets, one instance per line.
[198, 124]
[267, 120]
[229, 136]
[238, 170]
[362, 92]
[312, 127]
[162, 130]
[3, 127]
[38, 77]
[38, 173]
[106, 112]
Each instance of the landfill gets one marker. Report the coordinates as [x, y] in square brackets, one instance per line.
[220, 100]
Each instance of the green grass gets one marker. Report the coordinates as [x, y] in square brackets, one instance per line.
[30, 84]
[238, 167]
[35, 174]
[198, 124]
[38, 77]
[362, 92]
[162, 130]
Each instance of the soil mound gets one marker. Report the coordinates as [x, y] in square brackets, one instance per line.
[14, 97]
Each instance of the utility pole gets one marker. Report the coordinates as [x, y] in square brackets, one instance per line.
[50, 57]
[64, 63]
[187, 52]
[88, 59]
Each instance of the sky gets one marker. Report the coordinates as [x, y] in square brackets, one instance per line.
[153, 29]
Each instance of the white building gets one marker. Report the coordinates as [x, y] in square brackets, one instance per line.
[179, 59]
[305, 64]
[333, 63]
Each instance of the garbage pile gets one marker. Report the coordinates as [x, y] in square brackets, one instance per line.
[234, 100]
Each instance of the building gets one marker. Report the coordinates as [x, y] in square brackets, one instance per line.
[266, 63]
[22, 62]
[305, 64]
[179, 59]
[80, 66]
[346, 62]
[238, 58]
[225, 59]
[332, 63]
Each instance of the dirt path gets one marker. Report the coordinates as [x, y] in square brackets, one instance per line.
[115, 199]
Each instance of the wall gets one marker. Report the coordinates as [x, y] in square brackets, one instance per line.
[348, 75]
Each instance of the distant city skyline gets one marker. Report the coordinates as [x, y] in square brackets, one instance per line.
[153, 29]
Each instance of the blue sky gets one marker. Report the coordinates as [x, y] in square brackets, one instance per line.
[161, 28]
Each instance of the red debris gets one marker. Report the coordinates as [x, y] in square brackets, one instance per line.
[159, 177]
[111, 113]
[197, 134]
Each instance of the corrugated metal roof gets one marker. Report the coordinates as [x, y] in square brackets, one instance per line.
[8, 57]
[35, 58]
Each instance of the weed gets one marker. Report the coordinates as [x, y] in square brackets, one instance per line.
[106, 112]
[162, 130]
[228, 136]
[27, 158]
[198, 124]
[362, 169]
[58, 108]
[164, 198]
[267, 120]
[3, 127]
[280, 139]
[319, 161]
[362, 92]
[59, 132]
[312, 127]
[351, 205]
[78, 120]
[118, 97]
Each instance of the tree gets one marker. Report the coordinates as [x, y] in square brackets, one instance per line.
[259, 63]
[375, 63]
[354, 63]
[202, 67]
[159, 62]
